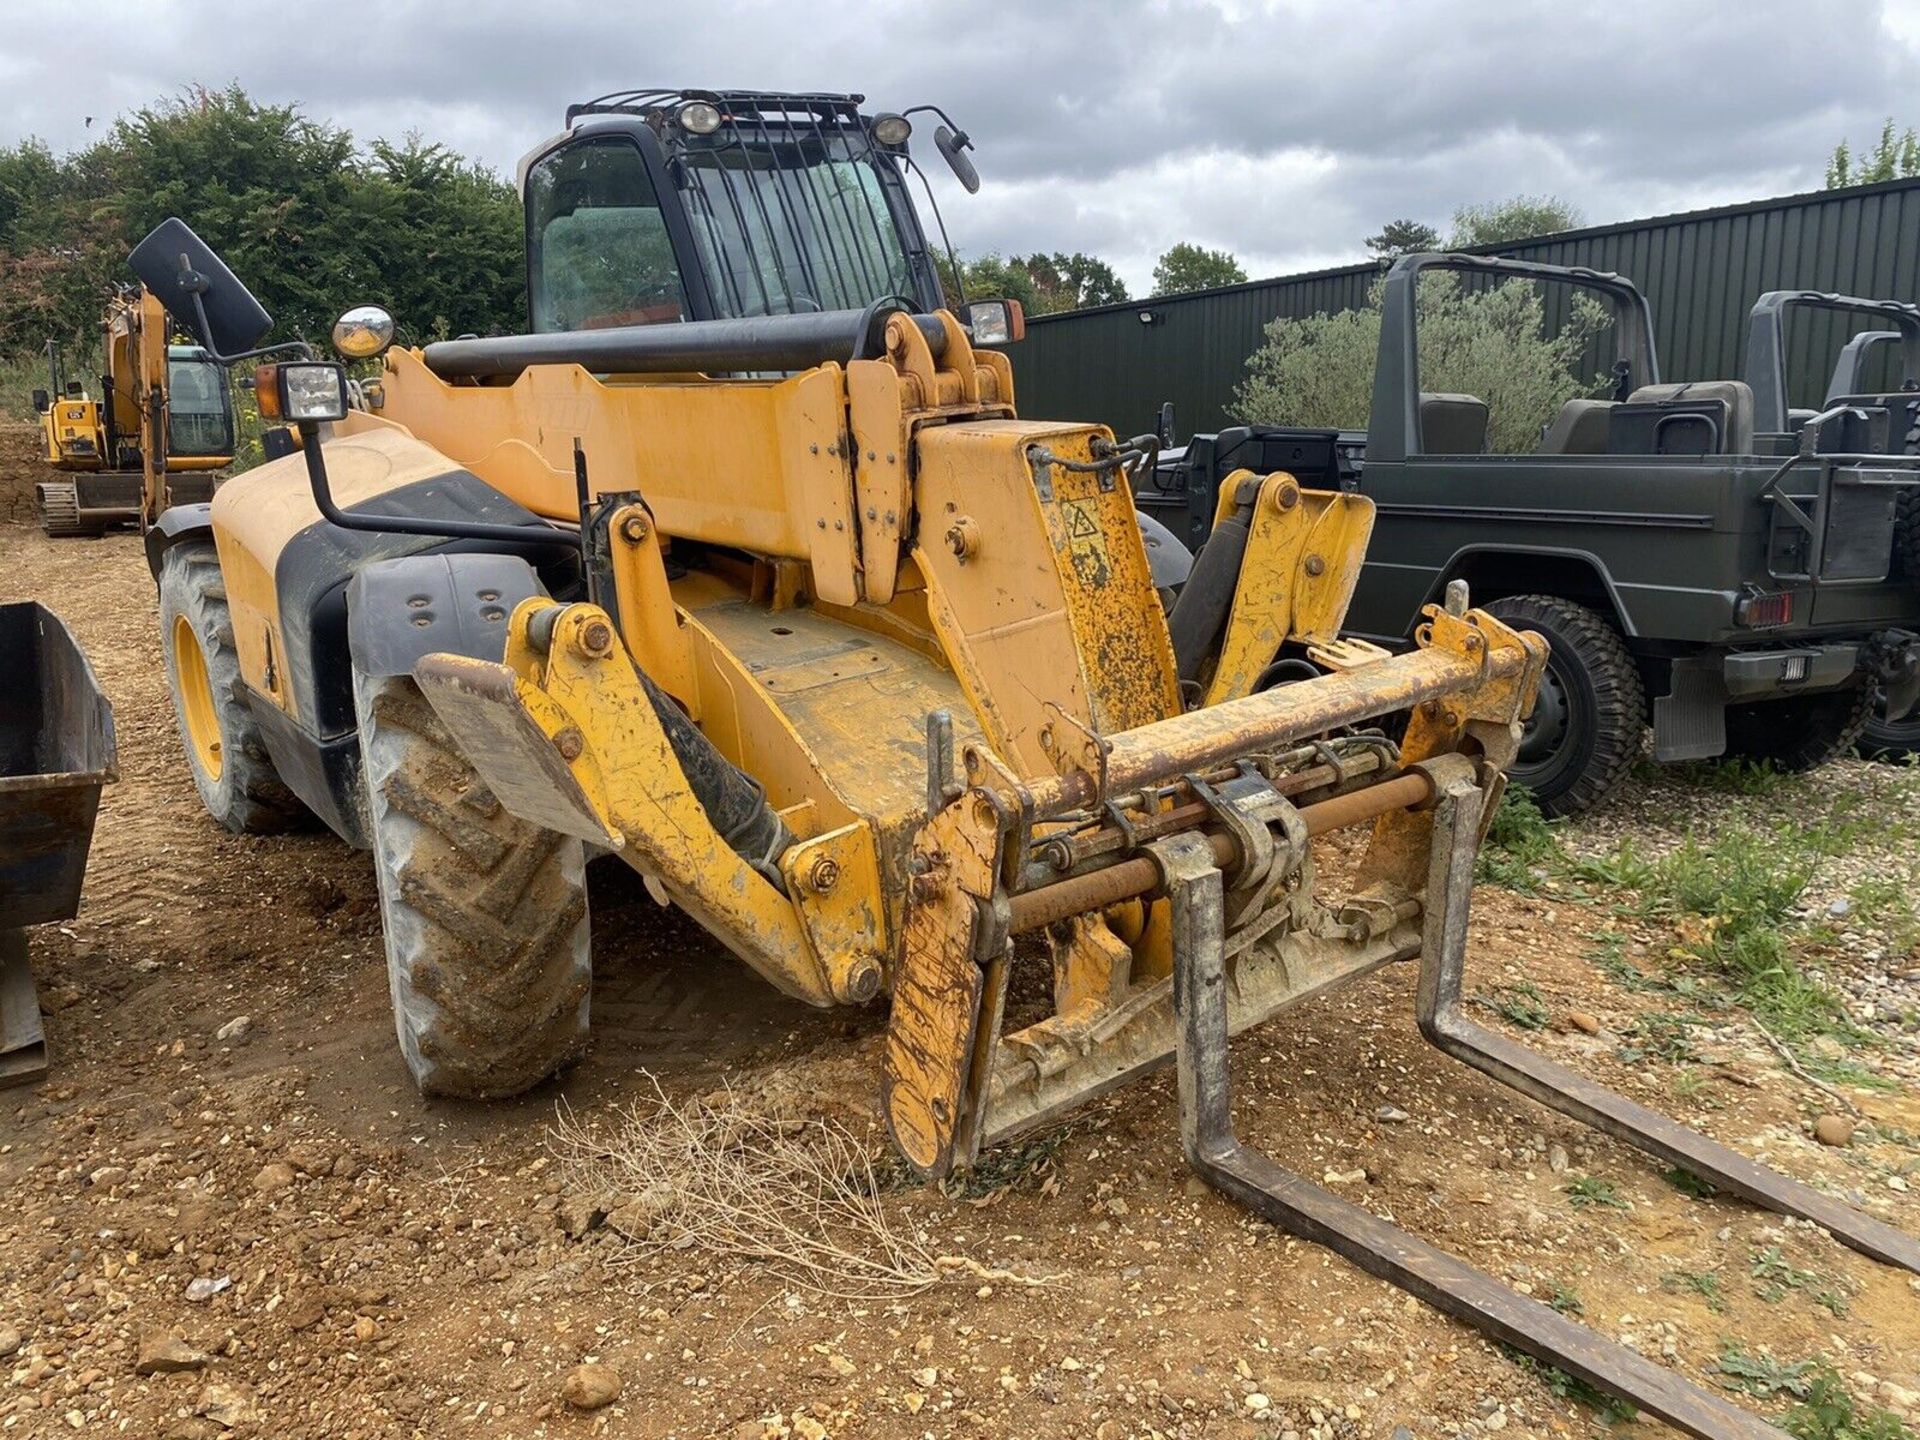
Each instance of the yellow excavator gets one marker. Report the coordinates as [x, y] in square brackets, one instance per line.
[744, 567]
[160, 427]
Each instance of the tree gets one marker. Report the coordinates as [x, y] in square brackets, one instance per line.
[1187, 267]
[1402, 237]
[1044, 284]
[1490, 342]
[1895, 157]
[1520, 218]
[310, 222]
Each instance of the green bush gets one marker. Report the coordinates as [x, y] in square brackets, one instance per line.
[1491, 342]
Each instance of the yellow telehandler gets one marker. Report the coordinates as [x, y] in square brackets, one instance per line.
[745, 568]
[153, 437]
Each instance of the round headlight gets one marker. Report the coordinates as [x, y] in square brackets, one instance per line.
[363, 332]
[698, 117]
[892, 129]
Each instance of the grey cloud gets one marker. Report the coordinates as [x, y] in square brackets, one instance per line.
[1285, 132]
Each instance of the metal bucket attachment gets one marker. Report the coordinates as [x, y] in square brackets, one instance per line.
[56, 752]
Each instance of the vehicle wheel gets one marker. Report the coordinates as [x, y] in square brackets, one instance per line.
[1906, 532]
[1588, 724]
[1802, 732]
[229, 760]
[1884, 739]
[485, 915]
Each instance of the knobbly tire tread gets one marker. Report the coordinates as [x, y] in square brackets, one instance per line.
[484, 915]
[1620, 700]
[249, 798]
[1900, 739]
[1802, 733]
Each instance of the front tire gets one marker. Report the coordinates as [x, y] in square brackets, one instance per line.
[225, 750]
[1802, 732]
[484, 915]
[1591, 716]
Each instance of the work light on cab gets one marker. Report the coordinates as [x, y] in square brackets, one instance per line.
[996, 322]
[698, 117]
[306, 392]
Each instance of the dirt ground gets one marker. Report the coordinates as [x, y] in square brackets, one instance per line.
[385, 1266]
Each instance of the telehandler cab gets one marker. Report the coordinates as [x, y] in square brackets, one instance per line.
[745, 569]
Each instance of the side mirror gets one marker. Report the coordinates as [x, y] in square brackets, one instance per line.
[952, 147]
[363, 332]
[199, 291]
[1164, 428]
[996, 322]
[42, 402]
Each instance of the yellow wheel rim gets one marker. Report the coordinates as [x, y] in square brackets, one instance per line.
[196, 697]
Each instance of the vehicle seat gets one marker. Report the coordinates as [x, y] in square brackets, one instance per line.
[1579, 429]
[1736, 396]
[1452, 424]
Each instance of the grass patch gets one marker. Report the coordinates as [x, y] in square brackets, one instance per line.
[1774, 1276]
[1520, 1004]
[1520, 844]
[1611, 1409]
[1827, 1409]
[1566, 1300]
[1688, 1183]
[1733, 776]
[1658, 1035]
[1591, 1192]
[1704, 1283]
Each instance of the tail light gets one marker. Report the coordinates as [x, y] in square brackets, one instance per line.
[1763, 612]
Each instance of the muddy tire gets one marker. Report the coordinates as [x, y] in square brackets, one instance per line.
[485, 915]
[1802, 732]
[225, 752]
[1591, 717]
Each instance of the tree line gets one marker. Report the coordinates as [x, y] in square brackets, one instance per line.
[306, 217]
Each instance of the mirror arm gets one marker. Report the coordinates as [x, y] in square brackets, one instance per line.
[406, 524]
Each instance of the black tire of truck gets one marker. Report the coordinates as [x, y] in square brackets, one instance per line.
[1802, 732]
[1884, 739]
[484, 915]
[224, 747]
[1589, 723]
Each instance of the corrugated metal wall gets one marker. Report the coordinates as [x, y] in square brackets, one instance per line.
[1701, 272]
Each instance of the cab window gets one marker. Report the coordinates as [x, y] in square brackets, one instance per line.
[601, 254]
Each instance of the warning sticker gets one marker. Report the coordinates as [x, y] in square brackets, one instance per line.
[1086, 545]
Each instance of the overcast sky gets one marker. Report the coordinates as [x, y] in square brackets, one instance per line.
[1285, 133]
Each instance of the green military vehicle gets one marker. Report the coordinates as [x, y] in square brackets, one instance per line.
[1696, 557]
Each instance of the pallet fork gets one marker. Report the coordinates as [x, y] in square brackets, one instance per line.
[1193, 884]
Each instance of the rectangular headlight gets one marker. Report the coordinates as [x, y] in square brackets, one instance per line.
[996, 322]
[311, 391]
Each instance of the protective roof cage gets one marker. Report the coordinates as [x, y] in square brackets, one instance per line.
[789, 197]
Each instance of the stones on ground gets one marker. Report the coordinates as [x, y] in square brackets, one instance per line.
[235, 1030]
[205, 1287]
[591, 1386]
[274, 1177]
[1840, 909]
[1557, 1160]
[165, 1354]
[1391, 1115]
[1834, 1130]
[227, 1405]
[577, 1214]
[1258, 1404]
[9, 1341]
[1583, 1022]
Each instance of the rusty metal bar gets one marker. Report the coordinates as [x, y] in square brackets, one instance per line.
[1301, 1208]
[1210, 736]
[1099, 888]
[1443, 1021]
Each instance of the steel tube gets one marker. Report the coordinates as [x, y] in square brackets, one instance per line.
[1082, 894]
[1201, 738]
[768, 342]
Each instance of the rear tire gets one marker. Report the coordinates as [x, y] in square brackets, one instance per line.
[1892, 740]
[484, 915]
[1802, 732]
[225, 751]
[1591, 717]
